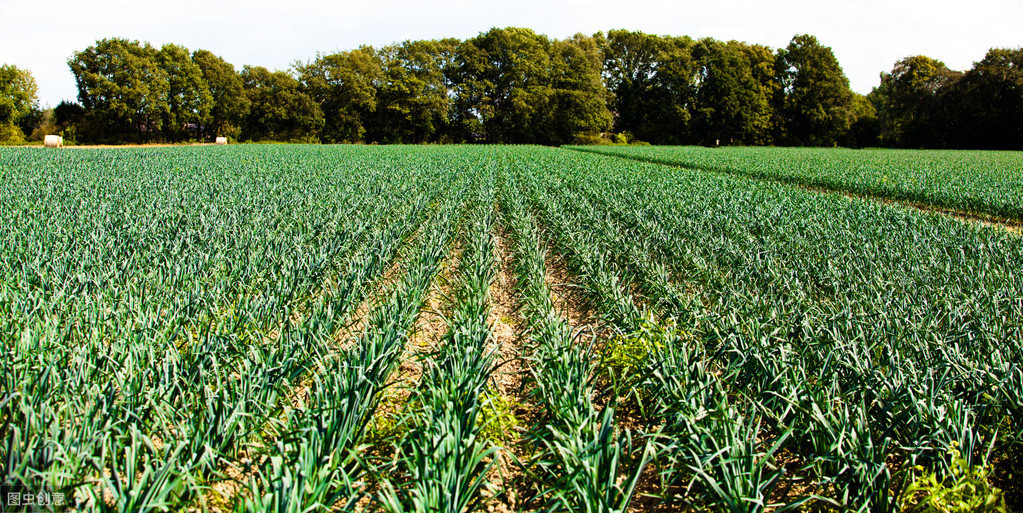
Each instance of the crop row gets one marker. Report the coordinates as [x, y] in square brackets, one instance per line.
[442, 459]
[845, 333]
[582, 457]
[172, 317]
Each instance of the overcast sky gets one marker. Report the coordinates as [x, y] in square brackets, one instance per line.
[867, 36]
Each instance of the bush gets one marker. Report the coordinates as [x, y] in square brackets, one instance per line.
[11, 135]
[590, 139]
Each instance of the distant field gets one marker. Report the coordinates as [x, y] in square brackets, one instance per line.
[980, 182]
[454, 328]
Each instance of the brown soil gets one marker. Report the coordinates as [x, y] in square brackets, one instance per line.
[424, 339]
[794, 485]
[356, 322]
[224, 493]
[648, 494]
[986, 220]
[506, 327]
[569, 299]
[1005, 476]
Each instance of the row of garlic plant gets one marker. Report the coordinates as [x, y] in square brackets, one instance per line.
[152, 300]
[315, 462]
[442, 460]
[320, 459]
[585, 463]
[793, 294]
[158, 306]
[705, 441]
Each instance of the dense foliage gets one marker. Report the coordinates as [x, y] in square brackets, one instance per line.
[923, 104]
[512, 85]
[19, 104]
[805, 339]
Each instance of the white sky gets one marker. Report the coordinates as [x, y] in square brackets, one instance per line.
[867, 36]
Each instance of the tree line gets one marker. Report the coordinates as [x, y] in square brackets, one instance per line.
[921, 103]
[512, 85]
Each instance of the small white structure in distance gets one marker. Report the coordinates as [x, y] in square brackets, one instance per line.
[53, 141]
[221, 140]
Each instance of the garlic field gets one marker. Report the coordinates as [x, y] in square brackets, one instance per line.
[981, 183]
[506, 328]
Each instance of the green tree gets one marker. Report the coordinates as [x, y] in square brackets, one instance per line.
[67, 113]
[985, 106]
[652, 81]
[733, 94]
[345, 87]
[865, 130]
[67, 116]
[19, 103]
[279, 109]
[414, 99]
[188, 96]
[908, 102]
[123, 89]
[227, 93]
[578, 101]
[503, 85]
[814, 101]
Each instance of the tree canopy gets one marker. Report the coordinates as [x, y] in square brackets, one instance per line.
[923, 104]
[228, 103]
[814, 101]
[909, 100]
[124, 90]
[345, 87]
[279, 109]
[19, 103]
[512, 85]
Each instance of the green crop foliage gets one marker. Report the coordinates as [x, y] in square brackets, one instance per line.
[178, 328]
[980, 182]
[848, 325]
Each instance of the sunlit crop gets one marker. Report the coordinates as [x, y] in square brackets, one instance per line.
[228, 329]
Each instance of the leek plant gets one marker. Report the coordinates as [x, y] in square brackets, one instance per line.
[442, 461]
[586, 463]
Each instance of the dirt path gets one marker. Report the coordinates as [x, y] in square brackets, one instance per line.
[569, 299]
[424, 339]
[1005, 224]
[386, 425]
[507, 334]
